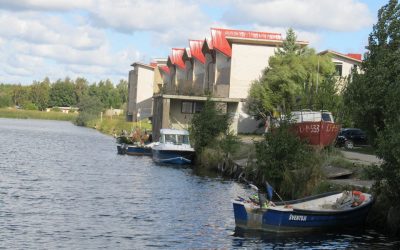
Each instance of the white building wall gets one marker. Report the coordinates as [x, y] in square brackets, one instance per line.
[198, 77]
[248, 63]
[144, 92]
[347, 67]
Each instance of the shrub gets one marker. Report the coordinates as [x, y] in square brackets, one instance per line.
[287, 163]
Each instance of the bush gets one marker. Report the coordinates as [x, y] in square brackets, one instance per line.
[29, 106]
[287, 163]
[208, 125]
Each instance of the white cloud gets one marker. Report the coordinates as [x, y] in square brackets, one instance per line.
[335, 15]
[53, 5]
[150, 15]
[41, 29]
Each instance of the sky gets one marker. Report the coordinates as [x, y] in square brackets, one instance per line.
[100, 39]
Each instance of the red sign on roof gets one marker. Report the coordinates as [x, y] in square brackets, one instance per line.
[196, 50]
[176, 57]
[220, 43]
[355, 56]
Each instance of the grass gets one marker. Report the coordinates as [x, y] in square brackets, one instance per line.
[34, 114]
[114, 125]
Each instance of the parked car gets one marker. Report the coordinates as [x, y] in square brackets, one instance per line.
[350, 137]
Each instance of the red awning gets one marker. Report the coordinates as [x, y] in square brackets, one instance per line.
[196, 50]
[220, 43]
[176, 57]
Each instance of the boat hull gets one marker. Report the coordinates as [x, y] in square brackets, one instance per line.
[319, 133]
[297, 220]
[134, 150]
[176, 157]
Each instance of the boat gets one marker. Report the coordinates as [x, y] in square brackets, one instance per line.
[126, 146]
[316, 127]
[134, 149]
[173, 147]
[346, 209]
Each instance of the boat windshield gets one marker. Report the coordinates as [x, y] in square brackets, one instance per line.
[175, 139]
[183, 139]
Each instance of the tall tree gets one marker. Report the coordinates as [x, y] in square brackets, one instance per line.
[40, 92]
[81, 88]
[295, 78]
[123, 90]
[62, 93]
[374, 97]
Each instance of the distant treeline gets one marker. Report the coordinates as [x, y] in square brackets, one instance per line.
[63, 93]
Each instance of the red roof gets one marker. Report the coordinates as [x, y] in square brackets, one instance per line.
[165, 69]
[220, 42]
[153, 64]
[176, 57]
[355, 56]
[196, 50]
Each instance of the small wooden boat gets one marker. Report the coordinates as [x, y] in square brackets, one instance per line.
[317, 128]
[324, 211]
[173, 148]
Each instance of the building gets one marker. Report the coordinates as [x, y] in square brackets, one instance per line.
[221, 68]
[344, 64]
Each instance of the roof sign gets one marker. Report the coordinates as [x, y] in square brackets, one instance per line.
[220, 42]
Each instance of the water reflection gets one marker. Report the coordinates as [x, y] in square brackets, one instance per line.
[65, 187]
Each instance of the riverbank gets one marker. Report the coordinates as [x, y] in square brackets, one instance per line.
[111, 125]
[35, 114]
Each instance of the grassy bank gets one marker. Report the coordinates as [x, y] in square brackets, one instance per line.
[114, 125]
[34, 114]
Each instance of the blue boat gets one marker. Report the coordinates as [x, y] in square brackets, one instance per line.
[324, 211]
[132, 149]
[173, 148]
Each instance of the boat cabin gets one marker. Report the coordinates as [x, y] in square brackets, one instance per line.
[312, 116]
[174, 136]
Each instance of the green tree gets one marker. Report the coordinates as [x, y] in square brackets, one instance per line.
[89, 108]
[20, 94]
[40, 94]
[62, 93]
[208, 125]
[295, 78]
[81, 88]
[372, 96]
[122, 88]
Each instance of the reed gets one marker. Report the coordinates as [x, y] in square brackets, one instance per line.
[34, 114]
[116, 124]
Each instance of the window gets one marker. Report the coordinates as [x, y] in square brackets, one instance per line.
[338, 68]
[198, 107]
[187, 107]
[170, 139]
[183, 139]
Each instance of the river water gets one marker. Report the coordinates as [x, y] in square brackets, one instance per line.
[65, 187]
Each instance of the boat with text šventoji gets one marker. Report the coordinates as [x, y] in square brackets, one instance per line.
[325, 211]
[317, 128]
[173, 147]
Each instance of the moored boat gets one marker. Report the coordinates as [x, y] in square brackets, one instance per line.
[173, 147]
[324, 211]
[132, 149]
[317, 128]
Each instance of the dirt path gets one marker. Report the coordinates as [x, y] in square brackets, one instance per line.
[364, 159]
